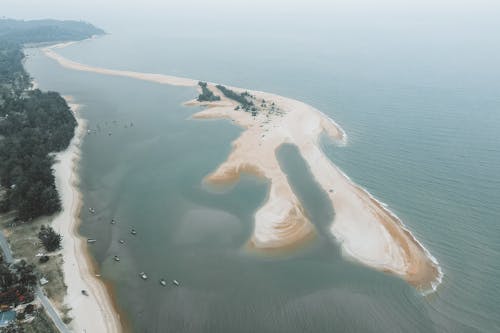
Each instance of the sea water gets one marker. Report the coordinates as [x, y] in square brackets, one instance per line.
[420, 103]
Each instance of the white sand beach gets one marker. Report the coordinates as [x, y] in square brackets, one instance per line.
[367, 231]
[95, 312]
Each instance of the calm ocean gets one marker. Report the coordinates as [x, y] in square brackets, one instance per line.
[419, 99]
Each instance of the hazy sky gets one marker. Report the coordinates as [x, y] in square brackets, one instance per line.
[103, 12]
[461, 26]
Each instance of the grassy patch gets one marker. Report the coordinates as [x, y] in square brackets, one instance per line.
[24, 243]
[52, 271]
[41, 324]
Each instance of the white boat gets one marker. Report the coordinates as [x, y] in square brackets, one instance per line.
[163, 282]
[133, 232]
[143, 275]
[116, 258]
[176, 283]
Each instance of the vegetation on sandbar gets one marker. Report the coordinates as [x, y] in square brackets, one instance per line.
[206, 94]
[240, 98]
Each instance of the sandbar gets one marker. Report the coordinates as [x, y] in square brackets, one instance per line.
[367, 231]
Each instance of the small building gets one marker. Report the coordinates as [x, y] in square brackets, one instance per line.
[43, 281]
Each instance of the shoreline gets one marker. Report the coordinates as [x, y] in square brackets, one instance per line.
[97, 311]
[365, 228]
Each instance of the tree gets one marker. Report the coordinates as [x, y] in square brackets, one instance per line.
[7, 277]
[29, 309]
[206, 94]
[13, 328]
[26, 274]
[50, 239]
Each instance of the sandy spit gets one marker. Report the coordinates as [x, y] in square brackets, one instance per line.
[367, 230]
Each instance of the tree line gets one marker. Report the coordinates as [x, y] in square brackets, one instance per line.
[240, 98]
[33, 124]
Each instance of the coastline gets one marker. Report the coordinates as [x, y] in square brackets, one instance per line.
[366, 229]
[95, 312]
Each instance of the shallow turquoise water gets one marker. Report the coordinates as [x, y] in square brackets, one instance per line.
[423, 133]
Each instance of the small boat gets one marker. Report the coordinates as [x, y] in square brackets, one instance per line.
[163, 282]
[116, 258]
[133, 232]
[113, 221]
[176, 283]
[91, 240]
[143, 275]
[92, 210]
[122, 241]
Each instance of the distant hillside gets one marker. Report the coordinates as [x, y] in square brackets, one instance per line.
[38, 31]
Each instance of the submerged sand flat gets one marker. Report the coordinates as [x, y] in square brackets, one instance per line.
[367, 231]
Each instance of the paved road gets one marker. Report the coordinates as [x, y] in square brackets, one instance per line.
[49, 308]
[7, 253]
[51, 312]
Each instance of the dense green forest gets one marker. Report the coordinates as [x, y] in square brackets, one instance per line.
[13, 78]
[33, 123]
